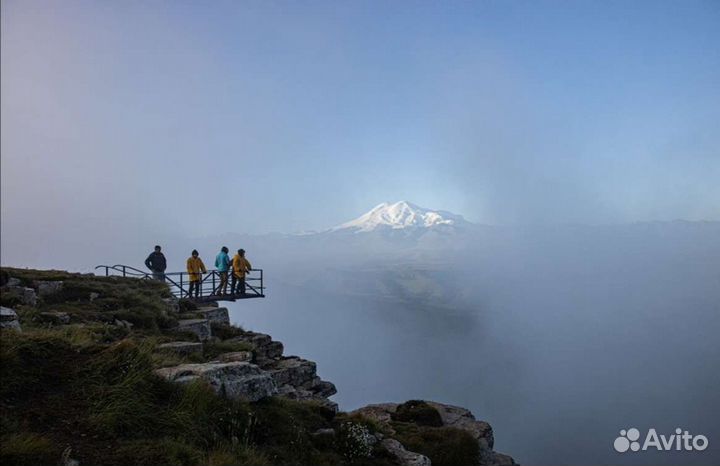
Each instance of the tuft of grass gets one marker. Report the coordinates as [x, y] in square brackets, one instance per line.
[283, 427]
[10, 298]
[214, 349]
[372, 425]
[33, 364]
[128, 399]
[237, 456]
[445, 446]
[187, 305]
[206, 419]
[418, 412]
[28, 449]
[164, 451]
[135, 300]
[225, 331]
[169, 359]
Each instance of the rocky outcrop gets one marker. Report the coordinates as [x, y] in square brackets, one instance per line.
[28, 296]
[55, 317]
[47, 288]
[239, 380]
[173, 304]
[450, 416]
[297, 379]
[461, 418]
[236, 356]
[22, 295]
[182, 348]
[216, 315]
[291, 377]
[402, 456]
[204, 318]
[266, 349]
[200, 327]
[9, 319]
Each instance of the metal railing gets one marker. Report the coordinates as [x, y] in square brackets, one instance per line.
[208, 287]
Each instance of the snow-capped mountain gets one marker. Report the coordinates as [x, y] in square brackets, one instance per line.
[402, 215]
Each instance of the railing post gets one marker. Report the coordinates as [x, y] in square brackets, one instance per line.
[181, 286]
[213, 277]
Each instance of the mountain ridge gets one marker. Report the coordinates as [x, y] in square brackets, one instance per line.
[401, 215]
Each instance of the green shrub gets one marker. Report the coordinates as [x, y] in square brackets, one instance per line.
[187, 305]
[445, 446]
[238, 456]
[372, 425]
[213, 350]
[10, 298]
[283, 427]
[354, 441]
[418, 412]
[206, 419]
[28, 449]
[165, 451]
[225, 331]
[128, 399]
[33, 364]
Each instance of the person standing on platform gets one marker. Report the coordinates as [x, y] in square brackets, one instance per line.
[195, 269]
[222, 264]
[241, 266]
[157, 264]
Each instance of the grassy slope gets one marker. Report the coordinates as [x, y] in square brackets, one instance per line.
[87, 390]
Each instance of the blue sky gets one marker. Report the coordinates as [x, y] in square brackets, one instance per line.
[191, 118]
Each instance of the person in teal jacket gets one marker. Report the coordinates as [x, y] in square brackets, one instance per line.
[222, 264]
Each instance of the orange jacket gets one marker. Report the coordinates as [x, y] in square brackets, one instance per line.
[240, 266]
[194, 267]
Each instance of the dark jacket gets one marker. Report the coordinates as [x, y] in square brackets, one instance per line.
[156, 262]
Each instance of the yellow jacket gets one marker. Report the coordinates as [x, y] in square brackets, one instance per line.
[240, 266]
[194, 267]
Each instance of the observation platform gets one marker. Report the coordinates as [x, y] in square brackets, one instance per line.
[179, 283]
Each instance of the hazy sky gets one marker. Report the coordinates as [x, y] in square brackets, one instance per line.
[143, 119]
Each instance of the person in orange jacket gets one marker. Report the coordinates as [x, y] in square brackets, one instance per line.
[195, 269]
[240, 266]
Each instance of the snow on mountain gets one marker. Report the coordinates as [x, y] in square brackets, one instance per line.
[400, 216]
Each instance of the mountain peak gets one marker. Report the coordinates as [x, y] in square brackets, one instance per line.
[401, 215]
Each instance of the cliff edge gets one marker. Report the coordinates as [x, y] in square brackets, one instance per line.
[110, 371]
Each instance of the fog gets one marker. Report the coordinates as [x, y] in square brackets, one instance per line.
[260, 117]
[559, 337]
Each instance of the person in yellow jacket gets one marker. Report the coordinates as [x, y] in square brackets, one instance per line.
[240, 266]
[195, 269]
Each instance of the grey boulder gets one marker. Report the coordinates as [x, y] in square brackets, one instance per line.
[47, 287]
[402, 456]
[182, 347]
[9, 319]
[237, 380]
[200, 327]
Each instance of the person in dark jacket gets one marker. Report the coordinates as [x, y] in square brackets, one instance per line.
[157, 264]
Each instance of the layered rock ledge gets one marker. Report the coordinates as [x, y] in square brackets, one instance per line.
[247, 375]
